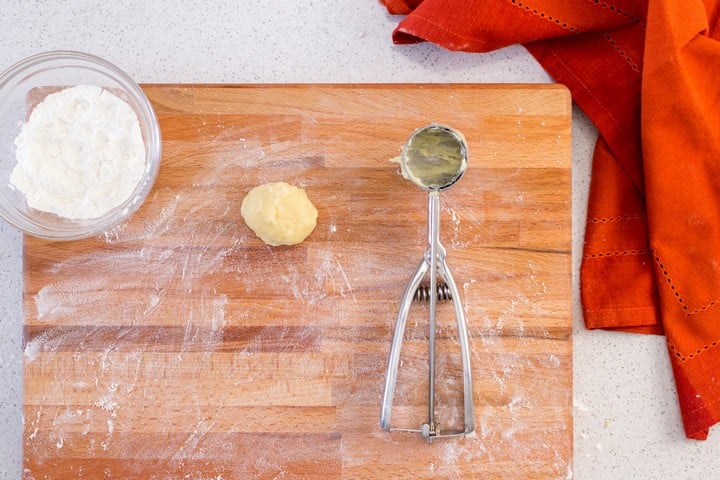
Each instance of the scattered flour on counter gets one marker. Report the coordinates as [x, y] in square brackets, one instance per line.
[80, 154]
[108, 402]
[34, 346]
[50, 302]
[105, 444]
[35, 423]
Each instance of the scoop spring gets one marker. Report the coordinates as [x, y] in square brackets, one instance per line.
[422, 294]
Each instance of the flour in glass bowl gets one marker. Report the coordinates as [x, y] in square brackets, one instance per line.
[80, 154]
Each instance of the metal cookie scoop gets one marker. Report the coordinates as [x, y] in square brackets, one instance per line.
[434, 158]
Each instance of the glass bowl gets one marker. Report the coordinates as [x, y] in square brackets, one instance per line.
[24, 85]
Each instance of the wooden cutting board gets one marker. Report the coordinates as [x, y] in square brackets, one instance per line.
[178, 345]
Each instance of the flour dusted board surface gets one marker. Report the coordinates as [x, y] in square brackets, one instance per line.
[178, 345]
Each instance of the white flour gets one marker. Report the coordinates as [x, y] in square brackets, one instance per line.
[80, 154]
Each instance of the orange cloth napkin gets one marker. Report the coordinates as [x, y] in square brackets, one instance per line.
[647, 73]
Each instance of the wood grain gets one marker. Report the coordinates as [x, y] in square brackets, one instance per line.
[178, 345]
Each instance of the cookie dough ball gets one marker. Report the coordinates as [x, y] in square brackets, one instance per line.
[279, 213]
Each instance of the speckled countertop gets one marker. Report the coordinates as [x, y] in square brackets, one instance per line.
[626, 416]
